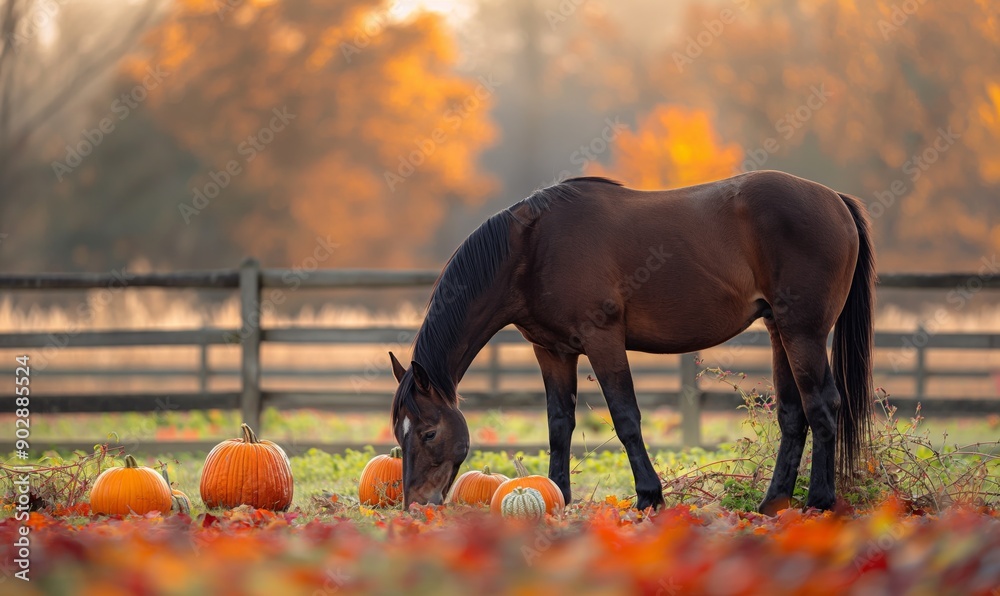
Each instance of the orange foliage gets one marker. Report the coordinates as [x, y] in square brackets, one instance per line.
[384, 137]
[672, 147]
[595, 547]
[899, 77]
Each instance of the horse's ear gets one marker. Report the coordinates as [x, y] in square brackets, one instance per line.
[421, 378]
[397, 368]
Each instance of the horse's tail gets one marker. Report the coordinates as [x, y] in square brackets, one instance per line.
[853, 346]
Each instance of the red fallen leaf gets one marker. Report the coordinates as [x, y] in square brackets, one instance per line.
[209, 520]
[423, 512]
[82, 509]
[37, 521]
[843, 507]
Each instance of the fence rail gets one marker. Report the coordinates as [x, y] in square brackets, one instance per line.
[250, 279]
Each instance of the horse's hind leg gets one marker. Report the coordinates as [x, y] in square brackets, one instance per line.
[559, 375]
[821, 404]
[791, 421]
[606, 352]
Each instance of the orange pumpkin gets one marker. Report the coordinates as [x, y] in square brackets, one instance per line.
[180, 502]
[247, 471]
[475, 487]
[553, 497]
[381, 483]
[130, 489]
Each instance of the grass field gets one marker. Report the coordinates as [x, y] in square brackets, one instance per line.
[923, 519]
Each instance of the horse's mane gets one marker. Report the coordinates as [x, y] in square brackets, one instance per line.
[470, 271]
[566, 190]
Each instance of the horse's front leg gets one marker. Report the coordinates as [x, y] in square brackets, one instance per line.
[559, 375]
[606, 352]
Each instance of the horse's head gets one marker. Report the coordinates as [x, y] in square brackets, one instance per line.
[432, 432]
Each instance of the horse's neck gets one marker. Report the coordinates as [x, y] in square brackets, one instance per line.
[478, 332]
[485, 316]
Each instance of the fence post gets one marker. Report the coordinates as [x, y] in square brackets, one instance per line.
[921, 370]
[203, 364]
[690, 401]
[249, 333]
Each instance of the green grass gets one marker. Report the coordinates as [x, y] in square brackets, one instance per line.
[927, 464]
[661, 426]
[318, 473]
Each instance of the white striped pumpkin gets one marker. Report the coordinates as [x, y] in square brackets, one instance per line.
[523, 502]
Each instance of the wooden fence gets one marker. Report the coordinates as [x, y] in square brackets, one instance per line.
[250, 279]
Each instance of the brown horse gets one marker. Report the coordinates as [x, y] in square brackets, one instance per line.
[589, 267]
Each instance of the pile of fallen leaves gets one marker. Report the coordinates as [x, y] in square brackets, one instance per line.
[604, 547]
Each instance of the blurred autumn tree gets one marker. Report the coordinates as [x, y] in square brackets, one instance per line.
[54, 59]
[672, 146]
[383, 140]
[897, 102]
[911, 121]
[857, 95]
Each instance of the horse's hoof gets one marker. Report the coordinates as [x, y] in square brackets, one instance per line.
[823, 502]
[645, 501]
[773, 505]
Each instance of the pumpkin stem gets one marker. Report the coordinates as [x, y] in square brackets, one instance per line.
[248, 434]
[163, 473]
[130, 462]
[519, 466]
[486, 470]
[396, 452]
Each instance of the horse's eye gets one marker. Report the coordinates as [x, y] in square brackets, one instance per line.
[429, 435]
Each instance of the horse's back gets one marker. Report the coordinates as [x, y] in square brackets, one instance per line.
[686, 268]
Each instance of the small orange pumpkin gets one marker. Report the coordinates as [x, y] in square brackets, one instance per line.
[247, 471]
[381, 483]
[475, 487]
[553, 497]
[130, 489]
[180, 502]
